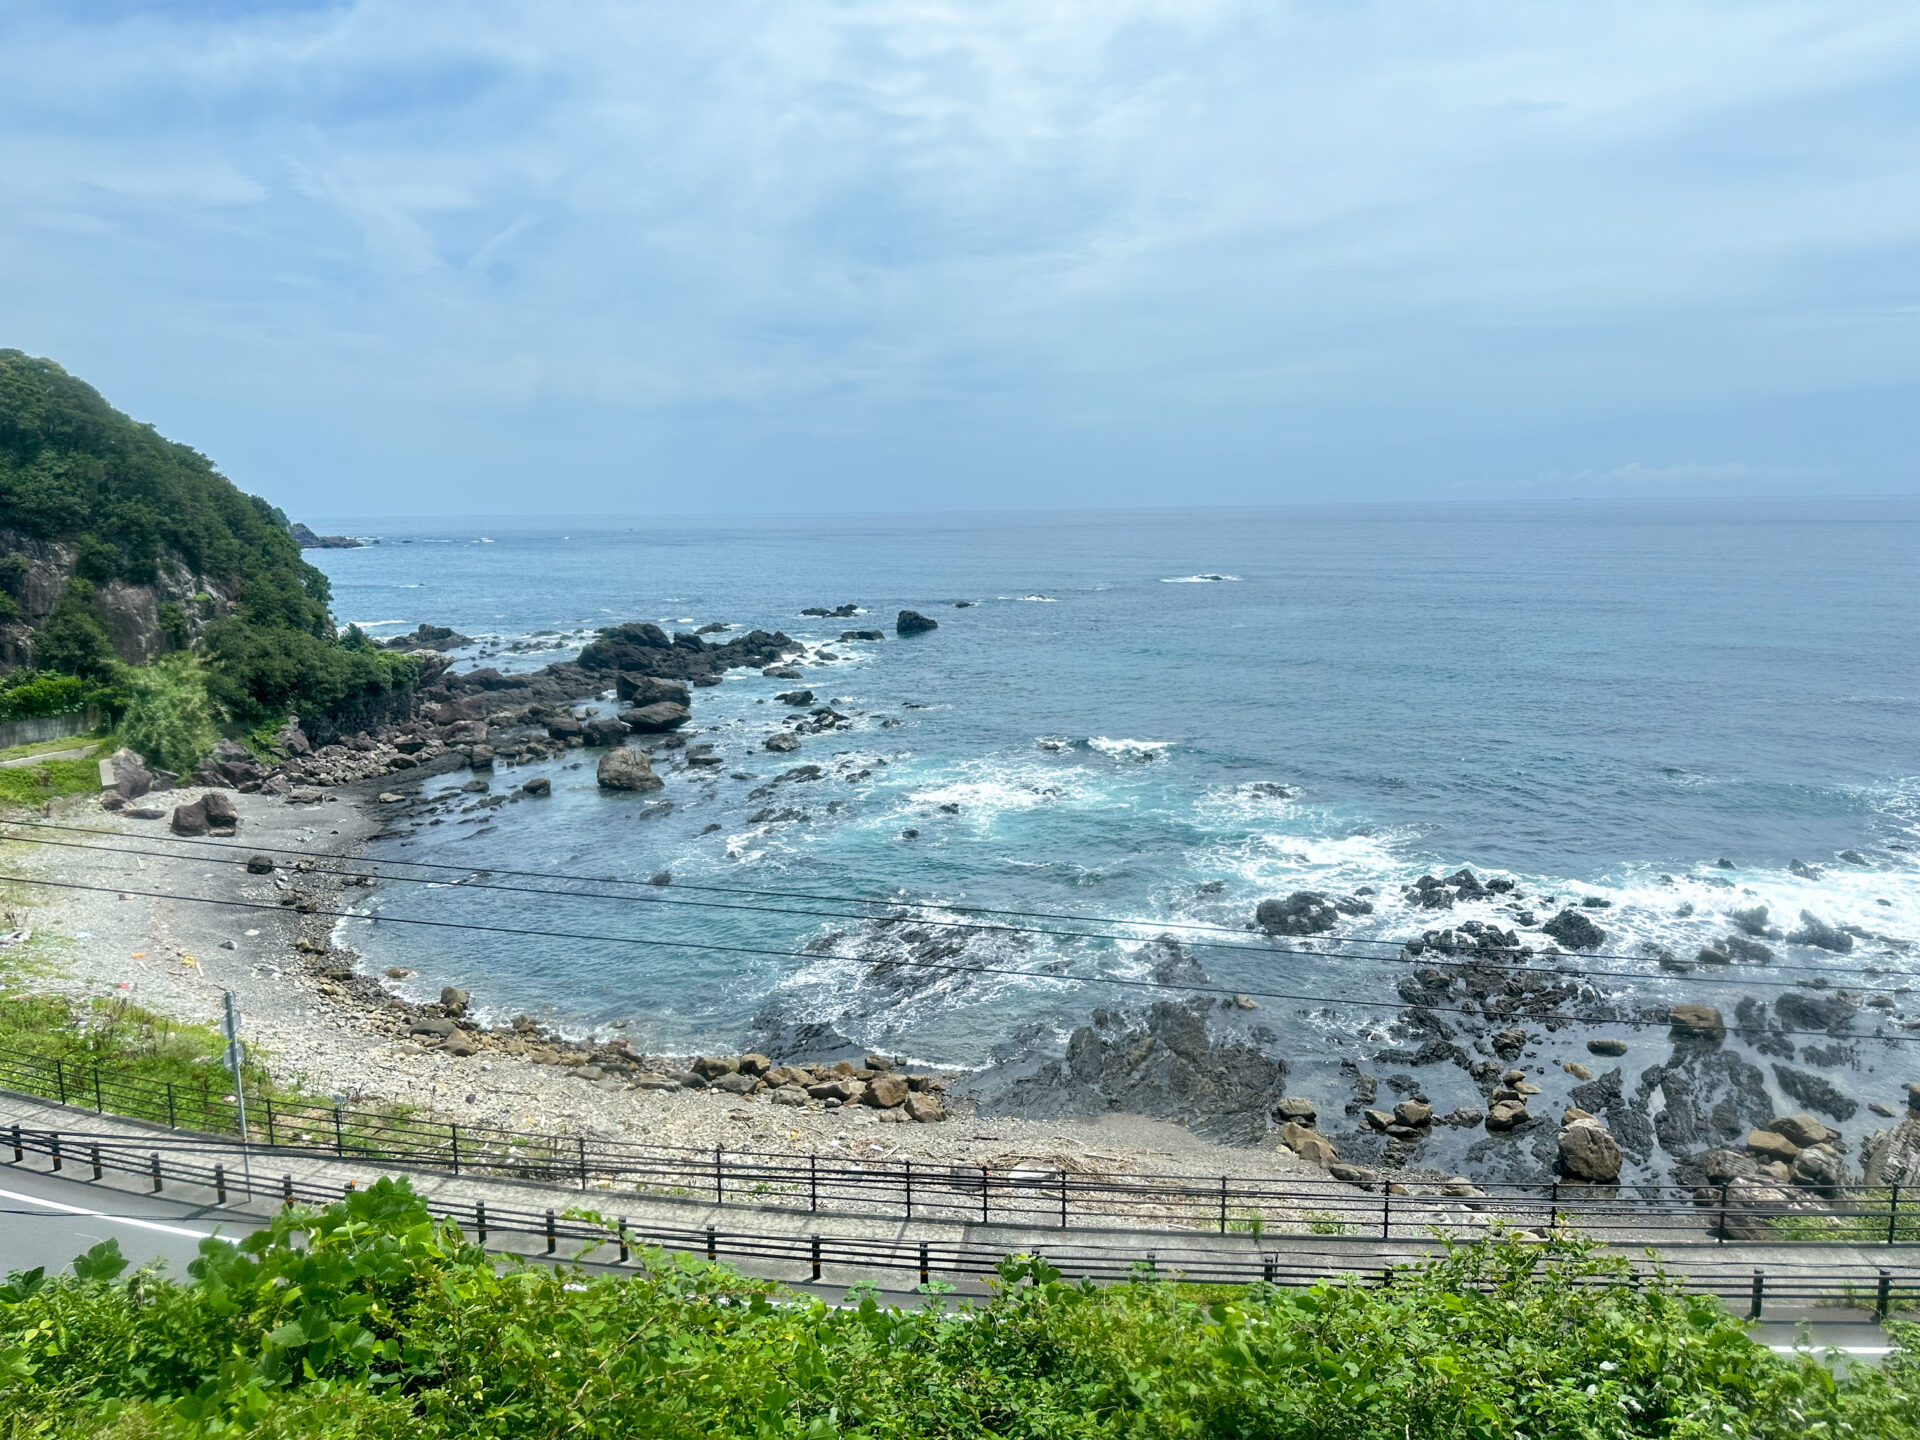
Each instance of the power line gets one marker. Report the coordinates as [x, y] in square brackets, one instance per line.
[954, 906]
[945, 966]
[671, 903]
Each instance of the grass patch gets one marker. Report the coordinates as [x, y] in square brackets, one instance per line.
[48, 780]
[41, 747]
[368, 1319]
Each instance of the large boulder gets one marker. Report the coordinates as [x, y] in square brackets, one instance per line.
[1588, 1152]
[1308, 1144]
[1803, 1129]
[219, 809]
[627, 769]
[649, 690]
[1693, 1021]
[231, 764]
[912, 622]
[660, 716]
[1892, 1156]
[604, 730]
[1305, 912]
[1575, 931]
[126, 774]
[190, 819]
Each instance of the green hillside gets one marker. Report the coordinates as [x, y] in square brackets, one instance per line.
[115, 501]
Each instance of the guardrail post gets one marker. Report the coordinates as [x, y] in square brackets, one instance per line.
[1759, 1293]
[1553, 1206]
[1223, 1204]
[552, 1238]
[453, 1133]
[480, 1220]
[623, 1239]
[1386, 1210]
[1893, 1212]
[719, 1185]
[268, 1099]
[583, 1160]
[19, 1153]
[909, 1189]
[1386, 1277]
[1720, 1230]
[172, 1114]
[1883, 1302]
[1266, 1268]
[983, 1194]
[53, 1148]
[219, 1184]
[286, 1191]
[99, 1105]
[1063, 1199]
[813, 1182]
[339, 1136]
[94, 1156]
[816, 1257]
[153, 1169]
[923, 1262]
[60, 1078]
[712, 1248]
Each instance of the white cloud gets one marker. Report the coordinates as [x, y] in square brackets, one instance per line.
[1289, 234]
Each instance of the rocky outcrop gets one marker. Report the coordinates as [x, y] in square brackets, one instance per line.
[912, 622]
[1692, 1021]
[1575, 931]
[1892, 1156]
[1305, 912]
[644, 649]
[1164, 1064]
[1816, 932]
[438, 638]
[304, 537]
[627, 769]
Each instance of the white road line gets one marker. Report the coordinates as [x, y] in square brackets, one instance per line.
[100, 1215]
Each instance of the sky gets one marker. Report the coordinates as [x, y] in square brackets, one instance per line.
[611, 256]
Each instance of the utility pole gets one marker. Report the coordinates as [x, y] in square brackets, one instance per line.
[230, 1027]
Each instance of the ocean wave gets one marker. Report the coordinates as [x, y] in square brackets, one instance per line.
[375, 624]
[1195, 579]
[1038, 599]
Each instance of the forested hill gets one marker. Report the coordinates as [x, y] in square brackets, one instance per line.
[119, 546]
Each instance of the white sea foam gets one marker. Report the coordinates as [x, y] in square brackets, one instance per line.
[1196, 579]
[1040, 599]
[375, 624]
[1141, 751]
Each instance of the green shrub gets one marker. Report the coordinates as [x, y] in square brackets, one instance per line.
[169, 716]
[369, 1319]
[30, 694]
[74, 641]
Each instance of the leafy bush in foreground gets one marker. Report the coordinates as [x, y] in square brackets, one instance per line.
[367, 1319]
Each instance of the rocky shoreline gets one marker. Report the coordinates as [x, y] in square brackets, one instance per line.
[1512, 1014]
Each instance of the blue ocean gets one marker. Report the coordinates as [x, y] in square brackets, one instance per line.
[1159, 718]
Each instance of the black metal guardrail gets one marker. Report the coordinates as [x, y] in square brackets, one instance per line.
[612, 1242]
[1028, 1196]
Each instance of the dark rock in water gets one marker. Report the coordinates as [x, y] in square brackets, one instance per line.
[604, 730]
[304, 537]
[539, 785]
[1575, 931]
[781, 743]
[1854, 857]
[1753, 922]
[1752, 951]
[1174, 966]
[637, 690]
[1803, 870]
[1712, 955]
[912, 622]
[1815, 1093]
[1831, 1013]
[964, 604]
[1816, 932]
[1169, 1068]
[1305, 912]
[645, 649]
[428, 637]
[846, 635]
[1606, 1047]
[660, 716]
[838, 612]
[1711, 1097]
[795, 697]
[1627, 1119]
[1725, 864]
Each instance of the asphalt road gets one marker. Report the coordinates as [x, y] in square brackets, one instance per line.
[49, 1219]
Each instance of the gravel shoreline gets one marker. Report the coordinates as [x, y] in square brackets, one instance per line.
[317, 1018]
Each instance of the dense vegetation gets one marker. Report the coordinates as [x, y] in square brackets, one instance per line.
[367, 1319]
[75, 470]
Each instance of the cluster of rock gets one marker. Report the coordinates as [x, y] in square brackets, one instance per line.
[1430, 892]
[1309, 912]
[879, 1084]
